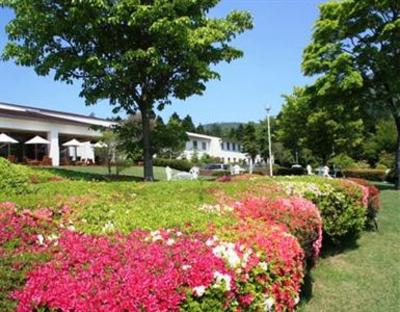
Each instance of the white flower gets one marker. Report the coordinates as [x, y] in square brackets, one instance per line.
[40, 239]
[186, 267]
[155, 236]
[199, 290]
[223, 279]
[53, 237]
[108, 227]
[227, 252]
[71, 228]
[170, 242]
[178, 233]
[268, 304]
[296, 300]
[263, 265]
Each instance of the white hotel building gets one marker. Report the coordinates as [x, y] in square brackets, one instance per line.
[227, 152]
[23, 123]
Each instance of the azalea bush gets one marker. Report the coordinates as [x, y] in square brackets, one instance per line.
[24, 241]
[166, 271]
[343, 205]
[295, 215]
[373, 199]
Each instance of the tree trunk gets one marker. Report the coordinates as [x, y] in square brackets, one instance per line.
[397, 165]
[147, 154]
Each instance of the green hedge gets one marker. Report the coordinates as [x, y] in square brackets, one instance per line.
[366, 174]
[221, 173]
[178, 164]
[282, 171]
[339, 202]
[13, 178]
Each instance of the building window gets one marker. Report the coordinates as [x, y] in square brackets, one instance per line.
[233, 147]
[195, 145]
[204, 145]
[228, 146]
[222, 146]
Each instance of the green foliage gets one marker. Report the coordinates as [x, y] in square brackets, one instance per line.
[342, 161]
[355, 52]
[13, 178]
[178, 164]
[321, 125]
[221, 173]
[250, 144]
[135, 55]
[282, 171]
[340, 203]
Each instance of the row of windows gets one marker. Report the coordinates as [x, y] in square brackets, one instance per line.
[226, 146]
[196, 145]
[230, 146]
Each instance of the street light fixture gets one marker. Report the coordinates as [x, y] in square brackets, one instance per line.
[268, 109]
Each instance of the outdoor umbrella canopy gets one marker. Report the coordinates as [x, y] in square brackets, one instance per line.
[73, 143]
[100, 144]
[4, 138]
[35, 141]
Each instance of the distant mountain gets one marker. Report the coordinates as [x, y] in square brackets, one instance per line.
[223, 125]
[226, 130]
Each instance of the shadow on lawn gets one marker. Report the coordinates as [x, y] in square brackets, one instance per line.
[86, 176]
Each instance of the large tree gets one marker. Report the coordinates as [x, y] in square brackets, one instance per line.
[355, 52]
[135, 53]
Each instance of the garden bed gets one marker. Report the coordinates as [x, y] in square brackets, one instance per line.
[141, 246]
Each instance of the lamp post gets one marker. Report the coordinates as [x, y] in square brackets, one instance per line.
[268, 109]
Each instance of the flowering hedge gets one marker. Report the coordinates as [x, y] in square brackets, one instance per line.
[295, 215]
[343, 205]
[166, 271]
[373, 199]
[153, 271]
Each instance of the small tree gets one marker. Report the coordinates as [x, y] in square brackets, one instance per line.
[135, 53]
[108, 148]
[250, 144]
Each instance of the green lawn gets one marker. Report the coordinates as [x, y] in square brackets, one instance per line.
[101, 172]
[366, 275]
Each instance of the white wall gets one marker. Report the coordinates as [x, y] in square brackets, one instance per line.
[53, 131]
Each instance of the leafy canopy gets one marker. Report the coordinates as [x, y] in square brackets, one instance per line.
[132, 52]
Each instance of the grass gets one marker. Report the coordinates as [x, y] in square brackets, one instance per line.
[365, 275]
[101, 173]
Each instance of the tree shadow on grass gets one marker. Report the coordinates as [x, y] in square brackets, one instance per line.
[89, 176]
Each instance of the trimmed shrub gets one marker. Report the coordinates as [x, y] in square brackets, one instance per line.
[167, 271]
[297, 215]
[221, 173]
[13, 178]
[366, 174]
[282, 171]
[340, 203]
[373, 199]
[177, 164]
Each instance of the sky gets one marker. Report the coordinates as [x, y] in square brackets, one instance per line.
[270, 67]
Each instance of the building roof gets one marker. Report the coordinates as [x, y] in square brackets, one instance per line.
[21, 111]
[202, 136]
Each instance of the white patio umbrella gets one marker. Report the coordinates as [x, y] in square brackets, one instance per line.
[100, 144]
[73, 143]
[36, 141]
[4, 138]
